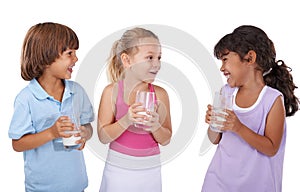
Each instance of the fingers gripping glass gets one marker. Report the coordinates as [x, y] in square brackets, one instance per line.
[222, 101]
[70, 142]
[147, 99]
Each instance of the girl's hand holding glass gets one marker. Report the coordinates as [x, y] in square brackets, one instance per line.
[146, 101]
[136, 113]
[222, 103]
[141, 118]
[232, 122]
[152, 121]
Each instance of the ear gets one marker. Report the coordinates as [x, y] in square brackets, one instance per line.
[251, 57]
[125, 60]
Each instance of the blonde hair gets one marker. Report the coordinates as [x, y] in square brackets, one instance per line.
[127, 44]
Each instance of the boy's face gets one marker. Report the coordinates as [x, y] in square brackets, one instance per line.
[61, 68]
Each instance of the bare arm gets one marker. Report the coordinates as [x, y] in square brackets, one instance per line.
[88, 132]
[213, 136]
[163, 132]
[268, 143]
[31, 141]
[108, 130]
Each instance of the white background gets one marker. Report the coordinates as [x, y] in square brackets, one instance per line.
[94, 20]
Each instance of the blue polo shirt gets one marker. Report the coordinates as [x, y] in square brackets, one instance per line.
[50, 168]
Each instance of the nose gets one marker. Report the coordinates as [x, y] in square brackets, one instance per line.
[75, 58]
[156, 63]
[222, 68]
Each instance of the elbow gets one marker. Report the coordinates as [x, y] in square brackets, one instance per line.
[272, 153]
[167, 140]
[103, 140]
[215, 142]
[164, 143]
[103, 137]
[89, 130]
[16, 147]
[214, 137]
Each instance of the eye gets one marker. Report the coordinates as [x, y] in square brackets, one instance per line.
[70, 52]
[150, 57]
[159, 57]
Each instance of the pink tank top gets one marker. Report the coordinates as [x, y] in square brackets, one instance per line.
[133, 141]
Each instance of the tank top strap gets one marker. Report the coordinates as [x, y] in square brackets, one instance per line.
[151, 89]
[120, 90]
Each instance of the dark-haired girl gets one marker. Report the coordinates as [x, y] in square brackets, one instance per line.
[250, 151]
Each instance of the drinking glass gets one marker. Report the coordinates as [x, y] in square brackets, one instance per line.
[70, 142]
[148, 101]
[222, 101]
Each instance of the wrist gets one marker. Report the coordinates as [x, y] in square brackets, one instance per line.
[239, 129]
[52, 133]
[124, 122]
[155, 128]
[89, 133]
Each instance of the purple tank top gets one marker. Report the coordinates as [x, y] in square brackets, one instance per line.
[236, 166]
[133, 141]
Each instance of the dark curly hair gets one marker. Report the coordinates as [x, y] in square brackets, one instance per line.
[276, 73]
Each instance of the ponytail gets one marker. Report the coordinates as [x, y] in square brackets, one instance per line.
[115, 67]
[280, 78]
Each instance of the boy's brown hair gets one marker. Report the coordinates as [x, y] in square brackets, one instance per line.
[43, 44]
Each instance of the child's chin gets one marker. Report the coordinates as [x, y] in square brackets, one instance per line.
[68, 77]
[148, 80]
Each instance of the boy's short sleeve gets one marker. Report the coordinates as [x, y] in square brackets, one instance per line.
[21, 120]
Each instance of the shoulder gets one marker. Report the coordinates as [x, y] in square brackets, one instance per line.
[110, 91]
[110, 88]
[273, 92]
[24, 95]
[31, 89]
[160, 90]
[161, 93]
[24, 92]
[272, 95]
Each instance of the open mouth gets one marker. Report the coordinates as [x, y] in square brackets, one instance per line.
[227, 75]
[70, 69]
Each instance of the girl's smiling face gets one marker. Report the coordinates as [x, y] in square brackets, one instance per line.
[234, 69]
[145, 63]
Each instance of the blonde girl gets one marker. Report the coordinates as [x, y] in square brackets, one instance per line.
[133, 162]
